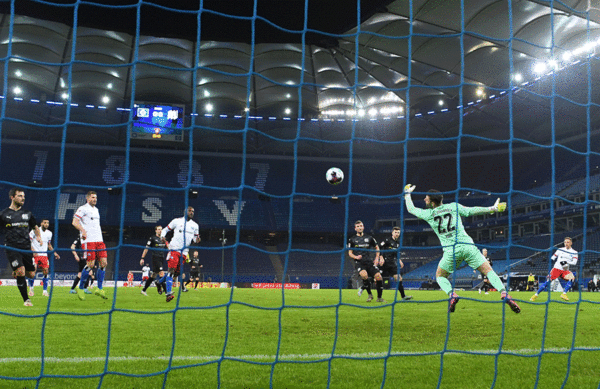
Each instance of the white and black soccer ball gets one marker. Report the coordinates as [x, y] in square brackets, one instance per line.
[334, 176]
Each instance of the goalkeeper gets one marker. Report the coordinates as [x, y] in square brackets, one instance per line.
[445, 219]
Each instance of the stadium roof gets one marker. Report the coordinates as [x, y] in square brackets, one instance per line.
[401, 60]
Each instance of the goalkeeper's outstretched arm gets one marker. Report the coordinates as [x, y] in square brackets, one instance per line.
[410, 206]
[471, 211]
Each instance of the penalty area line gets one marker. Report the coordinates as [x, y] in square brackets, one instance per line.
[285, 357]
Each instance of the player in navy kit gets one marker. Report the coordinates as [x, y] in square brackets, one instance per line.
[17, 223]
[155, 243]
[360, 246]
[194, 269]
[76, 246]
[388, 260]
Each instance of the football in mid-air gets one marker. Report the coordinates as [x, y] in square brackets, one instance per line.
[334, 175]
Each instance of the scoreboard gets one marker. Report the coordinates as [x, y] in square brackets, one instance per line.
[157, 122]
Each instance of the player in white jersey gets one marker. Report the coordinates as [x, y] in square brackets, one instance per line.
[40, 254]
[185, 232]
[564, 257]
[145, 274]
[87, 221]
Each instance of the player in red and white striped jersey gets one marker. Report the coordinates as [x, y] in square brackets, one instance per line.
[40, 254]
[564, 257]
[87, 221]
[185, 231]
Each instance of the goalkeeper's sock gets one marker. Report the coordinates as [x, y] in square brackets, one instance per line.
[367, 286]
[444, 284]
[542, 287]
[85, 273]
[30, 282]
[401, 289]
[148, 283]
[75, 283]
[169, 284]
[45, 282]
[495, 281]
[100, 277]
[22, 285]
[379, 284]
[568, 286]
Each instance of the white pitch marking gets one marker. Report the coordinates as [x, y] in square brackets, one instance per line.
[286, 357]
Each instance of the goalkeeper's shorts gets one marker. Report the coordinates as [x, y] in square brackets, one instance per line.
[455, 255]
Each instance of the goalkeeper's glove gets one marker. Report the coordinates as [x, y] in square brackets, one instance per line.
[498, 206]
[408, 190]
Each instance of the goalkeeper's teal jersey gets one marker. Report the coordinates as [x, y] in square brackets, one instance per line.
[446, 221]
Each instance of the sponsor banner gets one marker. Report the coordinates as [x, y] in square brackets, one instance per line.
[273, 285]
[37, 282]
[205, 285]
[316, 285]
[63, 276]
[110, 284]
[57, 276]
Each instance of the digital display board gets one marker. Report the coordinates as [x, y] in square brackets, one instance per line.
[157, 122]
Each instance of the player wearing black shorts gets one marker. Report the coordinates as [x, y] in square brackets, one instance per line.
[389, 257]
[76, 247]
[194, 269]
[359, 249]
[486, 286]
[157, 244]
[17, 222]
[531, 282]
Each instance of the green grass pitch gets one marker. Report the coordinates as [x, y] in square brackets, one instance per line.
[252, 338]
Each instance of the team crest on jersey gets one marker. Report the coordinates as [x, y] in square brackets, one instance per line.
[25, 216]
[366, 239]
[15, 263]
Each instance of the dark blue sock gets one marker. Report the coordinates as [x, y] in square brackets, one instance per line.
[568, 286]
[30, 282]
[100, 277]
[85, 273]
[169, 283]
[45, 282]
[542, 287]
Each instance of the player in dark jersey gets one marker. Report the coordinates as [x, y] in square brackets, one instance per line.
[194, 269]
[388, 260]
[486, 286]
[360, 246]
[155, 243]
[17, 222]
[76, 247]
